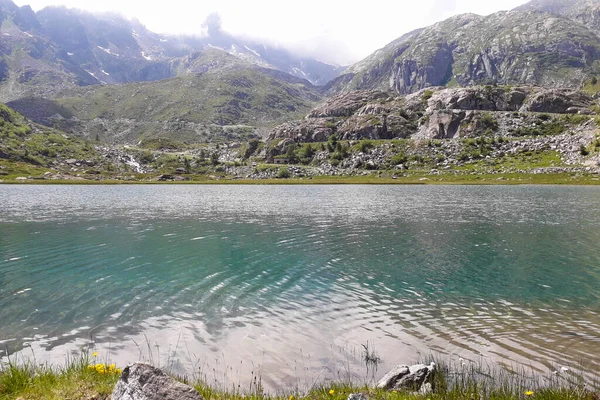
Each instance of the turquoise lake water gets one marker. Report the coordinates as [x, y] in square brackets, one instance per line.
[287, 282]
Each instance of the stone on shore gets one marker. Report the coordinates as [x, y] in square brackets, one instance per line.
[415, 378]
[142, 381]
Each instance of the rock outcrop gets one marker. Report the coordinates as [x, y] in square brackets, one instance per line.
[144, 382]
[435, 113]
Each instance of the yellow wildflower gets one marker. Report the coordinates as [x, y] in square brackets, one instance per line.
[118, 371]
[331, 391]
[291, 398]
[95, 354]
[91, 367]
[529, 393]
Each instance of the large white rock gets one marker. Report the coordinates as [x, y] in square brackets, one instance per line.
[416, 378]
[144, 382]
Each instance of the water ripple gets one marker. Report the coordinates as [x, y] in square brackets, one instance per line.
[289, 282]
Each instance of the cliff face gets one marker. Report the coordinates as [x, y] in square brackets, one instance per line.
[516, 47]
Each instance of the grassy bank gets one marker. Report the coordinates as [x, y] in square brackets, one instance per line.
[416, 179]
[88, 378]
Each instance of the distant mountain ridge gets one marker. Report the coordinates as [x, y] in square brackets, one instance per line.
[59, 48]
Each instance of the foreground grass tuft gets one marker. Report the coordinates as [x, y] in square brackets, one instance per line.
[74, 380]
[85, 378]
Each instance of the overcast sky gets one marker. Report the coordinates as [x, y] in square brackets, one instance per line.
[337, 31]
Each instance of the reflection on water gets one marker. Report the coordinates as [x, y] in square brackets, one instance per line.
[289, 282]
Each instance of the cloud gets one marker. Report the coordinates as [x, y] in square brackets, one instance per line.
[331, 30]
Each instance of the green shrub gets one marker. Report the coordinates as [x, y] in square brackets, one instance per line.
[488, 123]
[283, 173]
[399, 158]
[365, 145]
[427, 94]
[583, 150]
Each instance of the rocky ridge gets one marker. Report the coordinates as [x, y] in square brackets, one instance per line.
[523, 46]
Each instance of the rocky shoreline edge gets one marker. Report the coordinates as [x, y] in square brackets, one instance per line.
[142, 381]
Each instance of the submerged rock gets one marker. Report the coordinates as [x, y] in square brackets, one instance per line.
[416, 378]
[144, 382]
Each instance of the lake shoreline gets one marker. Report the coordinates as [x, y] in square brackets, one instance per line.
[87, 377]
[425, 179]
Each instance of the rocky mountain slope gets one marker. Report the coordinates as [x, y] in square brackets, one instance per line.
[523, 46]
[58, 48]
[585, 12]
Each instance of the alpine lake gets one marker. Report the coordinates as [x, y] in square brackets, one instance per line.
[289, 283]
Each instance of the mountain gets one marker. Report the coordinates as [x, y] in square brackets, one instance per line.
[57, 48]
[586, 12]
[560, 7]
[523, 46]
[105, 77]
[219, 96]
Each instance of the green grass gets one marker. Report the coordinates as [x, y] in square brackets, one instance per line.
[73, 380]
[386, 178]
[520, 161]
[81, 378]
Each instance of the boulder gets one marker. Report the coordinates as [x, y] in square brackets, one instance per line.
[346, 104]
[558, 101]
[357, 396]
[144, 382]
[443, 124]
[415, 378]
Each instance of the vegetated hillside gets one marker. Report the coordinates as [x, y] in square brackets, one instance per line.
[220, 98]
[514, 47]
[24, 142]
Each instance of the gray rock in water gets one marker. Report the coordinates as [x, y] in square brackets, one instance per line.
[416, 378]
[144, 382]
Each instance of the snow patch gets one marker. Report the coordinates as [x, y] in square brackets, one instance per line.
[252, 51]
[92, 74]
[146, 57]
[107, 51]
[70, 54]
[298, 71]
[28, 34]
[163, 40]
[105, 73]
